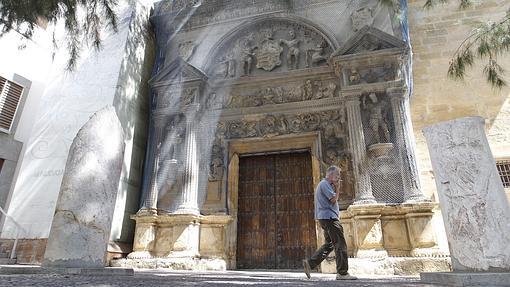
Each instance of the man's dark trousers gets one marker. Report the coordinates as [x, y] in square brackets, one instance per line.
[334, 237]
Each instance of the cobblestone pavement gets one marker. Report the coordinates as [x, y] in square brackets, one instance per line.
[188, 278]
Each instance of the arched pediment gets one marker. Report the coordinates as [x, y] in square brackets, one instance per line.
[275, 44]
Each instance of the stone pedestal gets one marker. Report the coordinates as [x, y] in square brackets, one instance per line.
[179, 242]
[390, 240]
[368, 236]
[82, 222]
[473, 202]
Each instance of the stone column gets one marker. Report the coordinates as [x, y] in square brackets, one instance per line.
[150, 201]
[406, 145]
[358, 149]
[189, 199]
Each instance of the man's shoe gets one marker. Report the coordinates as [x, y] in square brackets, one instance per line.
[345, 277]
[306, 267]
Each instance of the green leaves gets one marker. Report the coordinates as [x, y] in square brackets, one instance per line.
[489, 40]
[486, 42]
[22, 16]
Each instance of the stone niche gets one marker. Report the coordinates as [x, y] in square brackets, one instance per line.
[278, 83]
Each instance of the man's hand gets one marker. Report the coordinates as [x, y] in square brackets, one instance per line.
[336, 187]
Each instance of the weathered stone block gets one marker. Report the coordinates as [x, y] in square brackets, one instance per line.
[473, 202]
[83, 216]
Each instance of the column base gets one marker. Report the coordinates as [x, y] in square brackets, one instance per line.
[416, 196]
[371, 253]
[364, 201]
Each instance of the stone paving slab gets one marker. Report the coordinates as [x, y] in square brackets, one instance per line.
[32, 269]
[187, 278]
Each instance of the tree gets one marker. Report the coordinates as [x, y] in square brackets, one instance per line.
[83, 20]
[486, 42]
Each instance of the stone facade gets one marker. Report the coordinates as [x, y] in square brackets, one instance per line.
[268, 78]
[327, 77]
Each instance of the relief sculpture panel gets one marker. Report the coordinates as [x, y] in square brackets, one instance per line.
[310, 90]
[272, 45]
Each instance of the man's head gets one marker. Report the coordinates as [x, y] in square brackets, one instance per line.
[333, 173]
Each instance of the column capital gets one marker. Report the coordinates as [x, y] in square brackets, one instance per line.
[352, 100]
[396, 92]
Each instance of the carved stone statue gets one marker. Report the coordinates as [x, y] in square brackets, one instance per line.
[227, 67]
[247, 57]
[176, 136]
[361, 17]
[216, 169]
[315, 55]
[377, 120]
[308, 90]
[293, 50]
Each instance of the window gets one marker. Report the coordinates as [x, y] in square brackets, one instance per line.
[504, 172]
[1, 164]
[10, 96]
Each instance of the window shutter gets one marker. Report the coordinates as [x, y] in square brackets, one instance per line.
[10, 96]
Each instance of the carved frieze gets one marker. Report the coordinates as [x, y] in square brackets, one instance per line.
[177, 97]
[383, 73]
[310, 90]
[211, 11]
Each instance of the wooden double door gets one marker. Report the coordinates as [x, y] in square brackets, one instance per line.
[276, 227]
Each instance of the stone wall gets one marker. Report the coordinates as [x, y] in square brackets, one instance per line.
[110, 76]
[435, 35]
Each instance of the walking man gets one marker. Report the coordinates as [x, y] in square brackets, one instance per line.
[327, 212]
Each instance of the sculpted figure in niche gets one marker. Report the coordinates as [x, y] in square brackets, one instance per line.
[227, 66]
[315, 55]
[355, 77]
[293, 50]
[377, 120]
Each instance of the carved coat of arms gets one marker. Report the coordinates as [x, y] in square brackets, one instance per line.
[268, 54]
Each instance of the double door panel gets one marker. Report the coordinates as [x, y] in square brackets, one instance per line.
[276, 229]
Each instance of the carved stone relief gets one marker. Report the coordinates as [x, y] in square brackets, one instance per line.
[384, 73]
[287, 94]
[264, 48]
[362, 17]
[177, 97]
[331, 124]
[186, 50]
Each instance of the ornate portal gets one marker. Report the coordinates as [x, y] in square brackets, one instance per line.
[275, 84]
